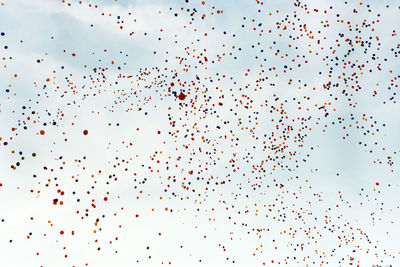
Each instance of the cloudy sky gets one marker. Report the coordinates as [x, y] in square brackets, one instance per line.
[199, 133]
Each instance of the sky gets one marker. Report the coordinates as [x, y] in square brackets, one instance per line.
[199, 133]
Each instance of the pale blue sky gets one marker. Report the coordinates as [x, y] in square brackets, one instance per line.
[237, 216]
